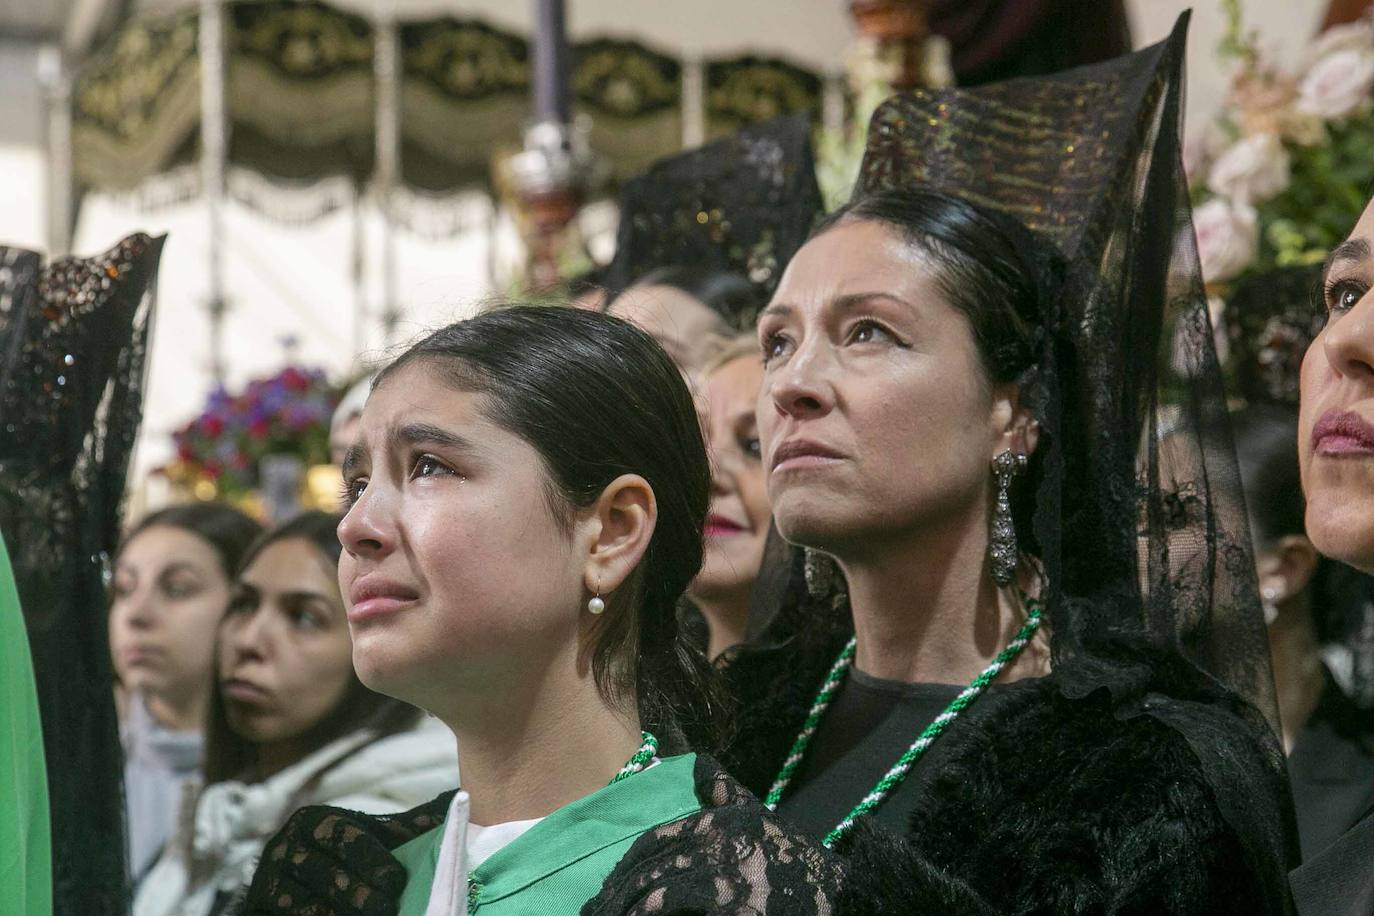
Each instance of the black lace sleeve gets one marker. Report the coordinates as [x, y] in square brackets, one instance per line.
[328, 861]
[732, 857]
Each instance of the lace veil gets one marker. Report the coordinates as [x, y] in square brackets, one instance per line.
[73, 345]
[744, 204]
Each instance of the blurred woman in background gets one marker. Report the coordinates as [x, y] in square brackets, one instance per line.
[687, 310]
[704, 235]
[737, 524]
[171, 587]
[343, 425]
[1288, 565]
[290, 724]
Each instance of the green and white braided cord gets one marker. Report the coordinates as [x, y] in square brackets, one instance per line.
[893, 777]
[641, 759]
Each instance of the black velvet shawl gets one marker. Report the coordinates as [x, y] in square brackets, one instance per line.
[1089, 790]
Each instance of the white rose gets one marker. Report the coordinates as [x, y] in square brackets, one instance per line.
[1353, 36]
[1252, 170]
[1227, 238]
[1338, 85]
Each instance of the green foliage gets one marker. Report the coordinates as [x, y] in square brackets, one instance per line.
[1234, 43]
[1331, 184]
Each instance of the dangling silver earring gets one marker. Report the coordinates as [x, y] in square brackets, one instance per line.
[820, 573]
[1002, 550]
[595, 605]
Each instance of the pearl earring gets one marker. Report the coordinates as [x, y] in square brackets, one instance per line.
[596, 605]
[1269, 603]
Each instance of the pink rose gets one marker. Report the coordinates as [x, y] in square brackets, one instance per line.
[1252, 170]
[1227, 238]
[1338, 85]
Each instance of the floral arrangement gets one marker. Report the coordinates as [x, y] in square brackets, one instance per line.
[1283, 175]
[286, 414]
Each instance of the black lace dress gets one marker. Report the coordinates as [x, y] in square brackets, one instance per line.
[730, 857]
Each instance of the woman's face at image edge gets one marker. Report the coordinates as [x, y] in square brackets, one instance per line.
[1336, 420]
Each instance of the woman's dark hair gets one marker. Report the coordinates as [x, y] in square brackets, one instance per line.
[228, 755]
[994, 270]
[1266, 438]
[228, 531]
[1002, 277]
[597, 398]
[593, 278]
[728, 294]
[1267, 454]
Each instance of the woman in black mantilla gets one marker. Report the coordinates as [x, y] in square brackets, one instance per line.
[705, 234]
[1013, 442]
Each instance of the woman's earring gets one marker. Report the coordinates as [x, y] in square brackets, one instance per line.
[595, 605]
[1269, 602]
[1002, 550]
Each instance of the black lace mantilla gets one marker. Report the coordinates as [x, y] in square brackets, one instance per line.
[743, 204]
[731, 857]
[73, 344]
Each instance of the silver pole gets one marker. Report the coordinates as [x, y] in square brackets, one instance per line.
[386, 74]
[552, 100]
[57, 80]
[214, 147]
[693, 101]
[833, 104]
[359, 278]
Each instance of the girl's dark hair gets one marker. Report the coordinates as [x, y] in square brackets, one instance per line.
[597, 398]
[227, 754]
[1002, 277]
[727, 294]
[228, 531]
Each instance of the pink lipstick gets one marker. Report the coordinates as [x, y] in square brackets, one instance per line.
[1343, 434]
